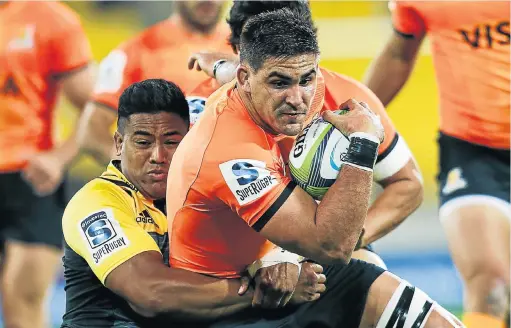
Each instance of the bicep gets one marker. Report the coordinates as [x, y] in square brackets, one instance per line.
[403, 47]
[145, 264]
[290, 219]
[77, 86]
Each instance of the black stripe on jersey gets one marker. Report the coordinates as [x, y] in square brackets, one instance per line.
[424, 312]
[401, 310]
[270, 212]
[404, 35]
[389, 148]
[121, 184]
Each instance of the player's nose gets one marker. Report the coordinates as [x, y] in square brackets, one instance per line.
[158, 154]
[294, 96]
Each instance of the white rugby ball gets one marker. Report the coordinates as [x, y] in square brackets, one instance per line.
[315, 158]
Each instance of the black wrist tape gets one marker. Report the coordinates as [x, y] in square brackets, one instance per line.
[361, 152]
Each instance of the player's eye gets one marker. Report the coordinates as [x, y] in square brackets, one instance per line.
[279, 84]
[172, 142]
[142, 142]
[306, 81]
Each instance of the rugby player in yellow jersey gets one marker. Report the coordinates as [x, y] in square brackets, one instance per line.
[116, 241]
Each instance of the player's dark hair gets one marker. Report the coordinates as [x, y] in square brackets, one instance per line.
[151, 96]
[276, 34]
[242, 10]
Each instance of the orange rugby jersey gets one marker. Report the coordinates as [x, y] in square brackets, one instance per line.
[332, 90]
[39, 42]
[161, 51]
[470, 48]
[229, 176]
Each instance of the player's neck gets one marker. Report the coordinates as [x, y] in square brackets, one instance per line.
[194, 28]
[247, 101]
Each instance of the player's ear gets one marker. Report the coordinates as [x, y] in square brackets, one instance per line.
[118, 140]
[242, 75]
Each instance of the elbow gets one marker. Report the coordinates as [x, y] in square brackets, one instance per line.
[416, 192]
[337, 253]
[153, 303]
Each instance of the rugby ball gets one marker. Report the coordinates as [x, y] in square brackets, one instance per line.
[315, 158]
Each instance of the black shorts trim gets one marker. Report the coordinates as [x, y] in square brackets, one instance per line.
[389, 148]
[270, 212]
[404, 35]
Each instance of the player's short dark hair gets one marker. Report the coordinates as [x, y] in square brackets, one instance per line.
[242, 10]
[151, 96]
[279, 34]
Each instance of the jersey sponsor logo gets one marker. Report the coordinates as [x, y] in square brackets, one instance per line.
[111, 72]
[487, 35]
[103, 234]
[247, 179]
[196, 105]
[454, 181]
[9, 87]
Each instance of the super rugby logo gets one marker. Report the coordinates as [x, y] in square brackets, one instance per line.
[196, 106]
[247, 179]
[103, 234]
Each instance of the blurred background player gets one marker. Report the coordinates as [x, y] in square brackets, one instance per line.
[395, 171]
[43, 50]
[160, 51]
[470, 46]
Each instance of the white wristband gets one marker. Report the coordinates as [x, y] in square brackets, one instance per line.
[359, 166]
[364, 135]
[275, 256]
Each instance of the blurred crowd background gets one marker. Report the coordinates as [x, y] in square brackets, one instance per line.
[351, 33]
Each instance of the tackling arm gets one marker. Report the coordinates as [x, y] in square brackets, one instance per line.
[174, 292]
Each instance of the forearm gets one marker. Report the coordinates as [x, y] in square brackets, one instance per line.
[341, 214]
[184, 295]
[387, 75]
[93, 135]
[68, 150]
[100, 146]
[397, 201]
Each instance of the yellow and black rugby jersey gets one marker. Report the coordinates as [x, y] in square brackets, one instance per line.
[106, 223]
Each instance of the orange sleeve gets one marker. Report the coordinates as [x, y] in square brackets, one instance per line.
[251, 182]
[198, 96]
[118, 70]
[69, 46]
[393, 153]
[342, 88]
[406, 20]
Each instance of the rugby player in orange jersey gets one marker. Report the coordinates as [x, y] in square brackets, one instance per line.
[229, 199]
[43, 50]
[470, 48]
[160, 51]
[395, 169]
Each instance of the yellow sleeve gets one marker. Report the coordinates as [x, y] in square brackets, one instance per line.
[99, 224]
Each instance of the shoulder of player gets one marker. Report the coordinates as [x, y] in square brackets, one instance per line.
[349, 88]
[204, 89]
[55, 15]
[97, 194]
